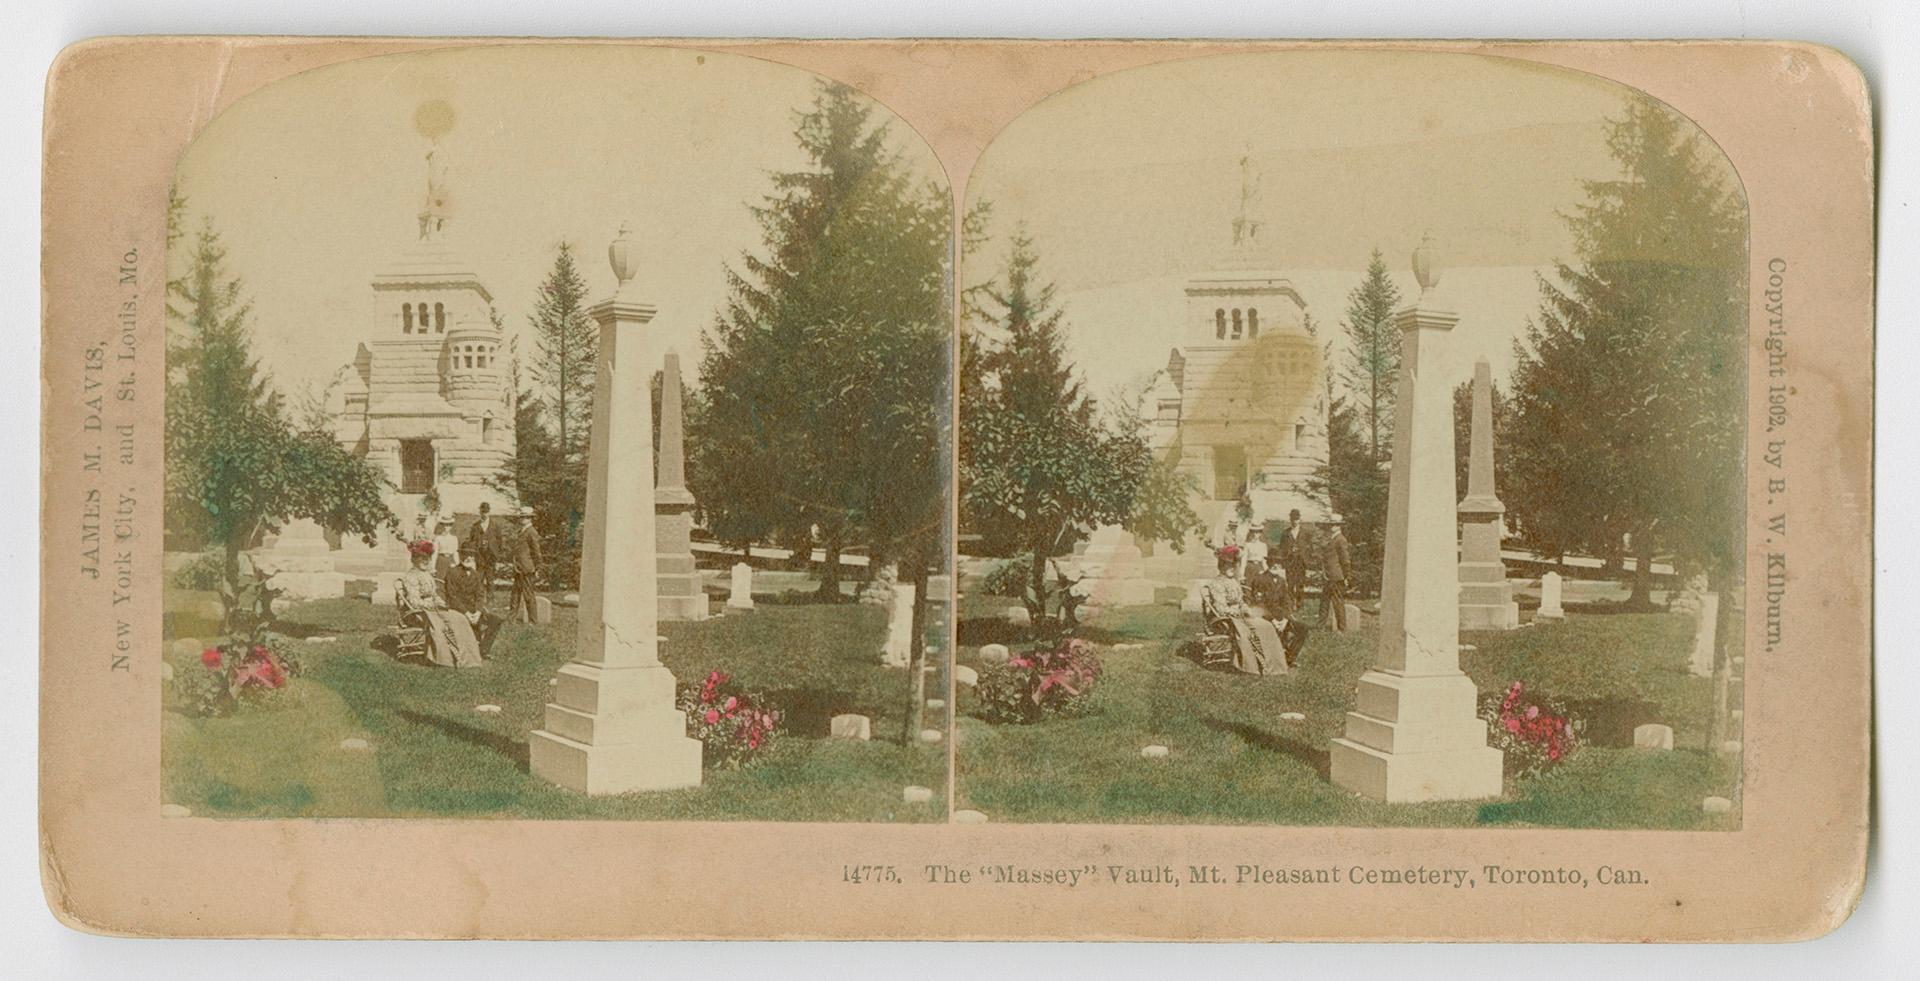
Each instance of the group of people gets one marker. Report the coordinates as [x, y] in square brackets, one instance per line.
[1256, 597]
[451, 583]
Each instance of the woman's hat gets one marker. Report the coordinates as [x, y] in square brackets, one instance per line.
[421, 548]
[1227, 553]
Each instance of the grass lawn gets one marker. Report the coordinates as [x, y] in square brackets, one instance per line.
[431, 754]
[1233, 760]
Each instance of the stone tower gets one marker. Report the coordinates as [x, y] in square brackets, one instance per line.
[1241, 408]
[427, 398]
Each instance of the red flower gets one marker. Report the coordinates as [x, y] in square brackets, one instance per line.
[1513, 725]
[210, 657]
[712, 716]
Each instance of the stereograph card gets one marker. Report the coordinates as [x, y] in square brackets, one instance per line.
[965, 489]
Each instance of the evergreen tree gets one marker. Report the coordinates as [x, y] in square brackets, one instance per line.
[1629, 388]
[1372, 370]
[821, 376]
[236, 467]
[566, 341]
[1040, 466]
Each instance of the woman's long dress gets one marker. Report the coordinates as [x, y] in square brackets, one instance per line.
[450, 639]
[1256, 644]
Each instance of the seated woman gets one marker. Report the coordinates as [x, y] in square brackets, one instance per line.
[1256, 641]
[450, 640]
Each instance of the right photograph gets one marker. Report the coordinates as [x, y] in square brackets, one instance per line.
[1352, 438]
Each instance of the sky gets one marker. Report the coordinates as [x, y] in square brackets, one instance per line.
[1129, 183]
[315, 181]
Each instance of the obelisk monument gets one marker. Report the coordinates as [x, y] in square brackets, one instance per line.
[1486, 598]
[612, 726]
[1414, 734]
[681, 597]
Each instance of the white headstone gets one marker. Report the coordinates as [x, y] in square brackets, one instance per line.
[354, 742]
[969, 817]
[899, 646]
[1716, 805]
[936, 703]
[916, 795]
[542, 610]
[963, 675]
[1153, 752]
[174, 811]
[994, 654]
[1653, 736]
[851, 727]
[931, 735]
[1293, 716]
[1193, 604]
[1019, 617]
[1550, 598]
[741, 598]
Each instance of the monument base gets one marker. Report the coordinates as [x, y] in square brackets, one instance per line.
[614, 731]
[1489, 616]
[681, 595]
[1416, 738]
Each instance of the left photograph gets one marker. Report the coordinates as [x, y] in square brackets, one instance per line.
[558, 432]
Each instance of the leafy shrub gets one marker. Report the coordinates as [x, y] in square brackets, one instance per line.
[1535, 734]
[233, 674]
[1044, 683]
[733, 725]
[1009, 579]
[203, 573]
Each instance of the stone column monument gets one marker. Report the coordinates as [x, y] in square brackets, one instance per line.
[612, 726]
[681, 597]
[1414, 734]
[1486, 598]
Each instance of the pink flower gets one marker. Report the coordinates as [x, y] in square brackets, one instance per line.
[1533, 711]
[712, 716]
[732, 703]
[1513, 725]
[210, 657]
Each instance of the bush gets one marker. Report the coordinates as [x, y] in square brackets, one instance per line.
[1008, 579]
[1041, 684]
[232, 674]
[1535, 734]
[734, 726]
[203, 573]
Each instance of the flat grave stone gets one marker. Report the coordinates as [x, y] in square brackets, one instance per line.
[963, 675]
[851, 726]
[1653, 736]
[916, 795]
[995, 654]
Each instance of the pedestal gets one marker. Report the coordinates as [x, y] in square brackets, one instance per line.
[1115, 570]
[1412, 739]
[614, 731]
[1415, 733]
[613, 726]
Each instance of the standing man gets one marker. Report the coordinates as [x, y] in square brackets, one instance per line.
[486, 543]
[1336, 561]
[1293, 555]
[526, 560]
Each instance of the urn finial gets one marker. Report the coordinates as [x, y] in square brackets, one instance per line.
[1426, 263]
[620, 254]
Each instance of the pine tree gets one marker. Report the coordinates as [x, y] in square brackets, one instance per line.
[821, 374]
[1372, 367]
[1629, 387]
[566, 341]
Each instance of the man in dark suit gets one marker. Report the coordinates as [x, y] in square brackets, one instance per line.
[486, 542]
[467, 594]
[1293, 555]
[524, 552]
[1336, 562]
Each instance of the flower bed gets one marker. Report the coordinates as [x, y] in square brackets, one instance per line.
[1047, 682]
[1535, 734]
[735, 726]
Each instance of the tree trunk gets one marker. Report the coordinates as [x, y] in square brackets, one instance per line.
[917, 654]
[1642, 597]
[1036, 600]
[830, 569]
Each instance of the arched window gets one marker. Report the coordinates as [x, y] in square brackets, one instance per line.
[439, 318]
[1236, 325]
[1253, 322]
[421, 317]
[406, 318]
[1220, 324]
[486, 428]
